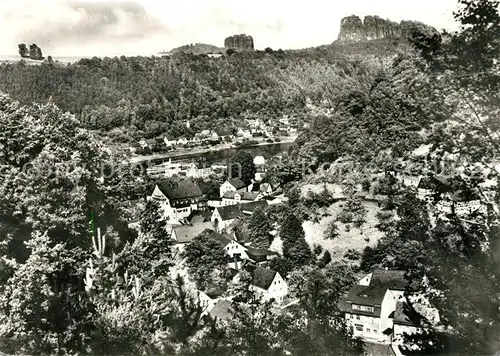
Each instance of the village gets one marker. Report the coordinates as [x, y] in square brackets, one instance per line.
[380, 309]
[250, 132]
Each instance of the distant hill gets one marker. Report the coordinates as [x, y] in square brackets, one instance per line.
[197, 48]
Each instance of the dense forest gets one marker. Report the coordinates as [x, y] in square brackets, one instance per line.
[141, 97]
[66, 290]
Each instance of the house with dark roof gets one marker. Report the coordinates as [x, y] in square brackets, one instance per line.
[235, 251]
[223, 217]
[183, 234]
[233, 198]
[375, 307]
[263, 188]
[260, 256]
[199, 216]
[369, 306]
[233, 185]
[267, 284]
[178, 199]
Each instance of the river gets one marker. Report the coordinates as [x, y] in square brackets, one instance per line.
[216, 156]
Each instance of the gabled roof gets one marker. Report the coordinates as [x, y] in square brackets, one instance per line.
[261, 277]
[259, 254]
[198, 216]
[186, 233]
[229, 212]
[224, 239]
[183, 189]
[237, 183]
[426, 183]
[366, 295]
[373, 294]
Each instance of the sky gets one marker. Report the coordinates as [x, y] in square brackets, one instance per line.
[146, 27]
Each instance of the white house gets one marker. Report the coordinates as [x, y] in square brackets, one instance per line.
[267, 284]
[232, 198]
[460, 204]
[259, 160]
[409, 181]
[214, 136]
[376, 308]
[167, 169]
[223, 217]
[194, 170]
[425, 187]
[177, 199]
[182, 141]
[232, 185]
[244, 133]
[369, 306]
[167, 142]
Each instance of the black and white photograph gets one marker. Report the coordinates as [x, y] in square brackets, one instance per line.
[264, 178]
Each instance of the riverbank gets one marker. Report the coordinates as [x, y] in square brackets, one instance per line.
[200, 151]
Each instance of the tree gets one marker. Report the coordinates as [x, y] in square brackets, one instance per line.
[23, 50]
[242, 166]
[259, 227]
[203, 255]
[37, 310]
[325, 259]
[296, 250]
[332, 231]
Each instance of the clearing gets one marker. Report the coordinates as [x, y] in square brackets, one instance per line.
[356, 238]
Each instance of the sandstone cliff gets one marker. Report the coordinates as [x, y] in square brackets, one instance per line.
[239, 43]
[374, 27]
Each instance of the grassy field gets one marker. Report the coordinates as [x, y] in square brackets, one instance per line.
[357, 239]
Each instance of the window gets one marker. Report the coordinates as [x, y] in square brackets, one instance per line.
[357, 317]
[359, 327]
[364, 308]
[367, 330]
[374, 331]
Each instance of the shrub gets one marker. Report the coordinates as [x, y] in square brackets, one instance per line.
[352, 255]
[332, 231]
[318, 249]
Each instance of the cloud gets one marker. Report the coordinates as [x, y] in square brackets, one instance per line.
[81, 24]
[91, 27]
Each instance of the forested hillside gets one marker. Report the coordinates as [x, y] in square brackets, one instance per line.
[148, 97]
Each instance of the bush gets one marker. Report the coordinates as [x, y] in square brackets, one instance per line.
[318, 249]
[326, 259]
[352, 255]
[332, 231]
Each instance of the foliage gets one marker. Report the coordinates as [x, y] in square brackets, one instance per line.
[203, 255]
[332, 231]
[325, 259]
[296, 251]
[259, 226]
[242, 167]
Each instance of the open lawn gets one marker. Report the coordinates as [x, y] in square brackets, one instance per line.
[354, 239]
